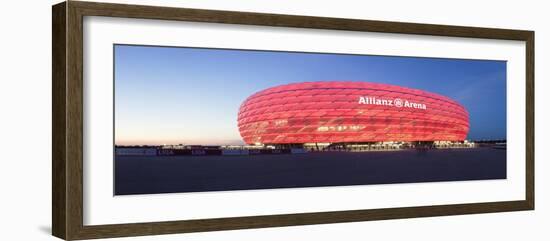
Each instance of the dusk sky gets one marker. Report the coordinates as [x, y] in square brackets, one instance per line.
[168, 95]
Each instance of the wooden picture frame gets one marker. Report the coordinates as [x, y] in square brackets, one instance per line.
[67, 150]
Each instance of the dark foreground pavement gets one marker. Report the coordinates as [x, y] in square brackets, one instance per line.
[168, 174]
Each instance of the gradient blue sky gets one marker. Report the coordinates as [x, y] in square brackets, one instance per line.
[171, 95]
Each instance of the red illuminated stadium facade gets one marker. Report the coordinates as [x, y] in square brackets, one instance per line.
[349, 112]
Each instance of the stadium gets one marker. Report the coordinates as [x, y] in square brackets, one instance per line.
[338, 114]
[356, 133]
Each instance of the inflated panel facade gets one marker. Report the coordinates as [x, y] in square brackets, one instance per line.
[349, 112]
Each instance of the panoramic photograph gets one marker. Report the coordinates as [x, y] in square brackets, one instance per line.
[190, 119]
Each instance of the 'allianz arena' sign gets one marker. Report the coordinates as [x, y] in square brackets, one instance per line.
[367, 100]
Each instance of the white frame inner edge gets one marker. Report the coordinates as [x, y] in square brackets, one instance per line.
[101, 207]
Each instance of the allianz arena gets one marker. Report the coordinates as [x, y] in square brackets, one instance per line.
[349, 112]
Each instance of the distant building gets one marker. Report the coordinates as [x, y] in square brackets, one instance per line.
[350, 112]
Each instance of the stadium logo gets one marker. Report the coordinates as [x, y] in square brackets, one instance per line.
[398, 102]
[367, 100]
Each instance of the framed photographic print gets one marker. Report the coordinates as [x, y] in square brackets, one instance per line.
[171, 120]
